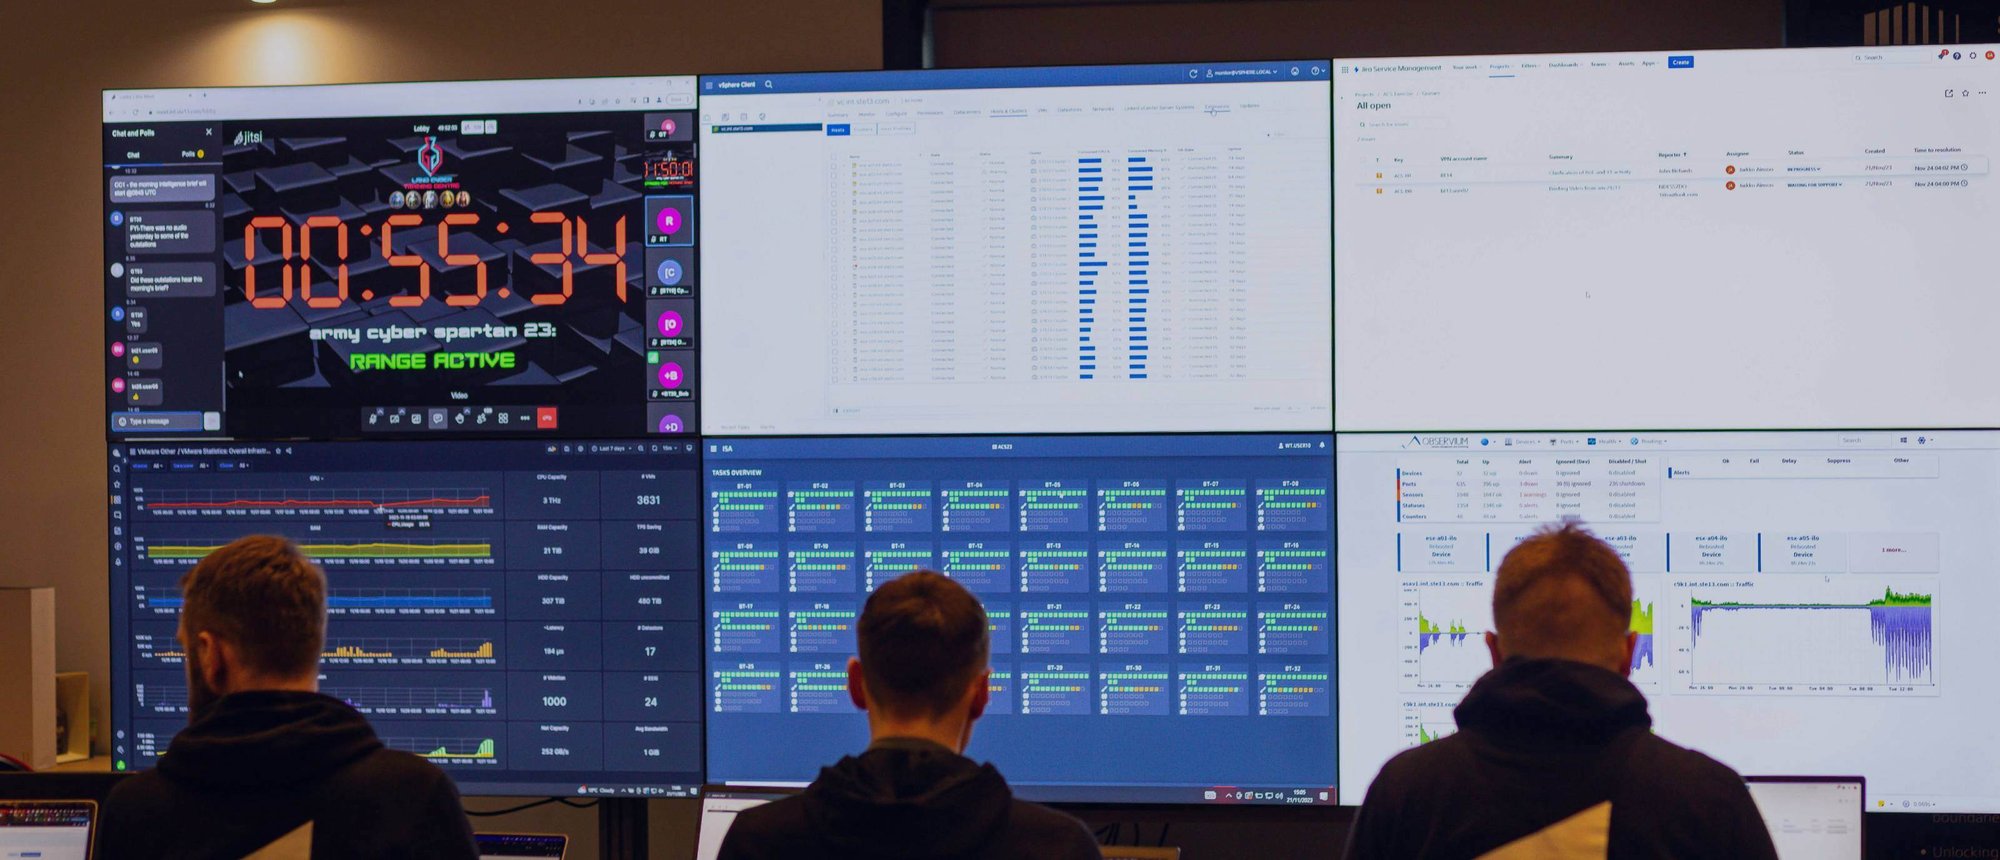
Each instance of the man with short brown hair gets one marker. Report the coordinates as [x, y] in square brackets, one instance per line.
[922, 678]
[1554, 756]
[264, 754]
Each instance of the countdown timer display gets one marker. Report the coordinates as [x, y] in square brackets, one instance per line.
[487, 274]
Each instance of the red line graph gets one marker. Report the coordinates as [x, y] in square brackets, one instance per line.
[474, 502]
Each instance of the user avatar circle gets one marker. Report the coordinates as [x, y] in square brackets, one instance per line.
[117, 218]
[671, 423]
[671, 375]
[670, 272]
[117, 270]
[395, 199]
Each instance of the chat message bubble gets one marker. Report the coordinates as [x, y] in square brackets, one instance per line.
[170, 280]
[170, 231]
[163, 188]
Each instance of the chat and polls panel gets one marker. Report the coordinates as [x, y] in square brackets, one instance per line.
[1159, 606]
[501, 258]
[525, 615]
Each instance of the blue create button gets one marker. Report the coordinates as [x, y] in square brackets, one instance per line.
[838, 129]
[1684, 61]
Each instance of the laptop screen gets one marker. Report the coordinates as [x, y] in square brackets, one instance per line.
[46, 829]
[520, 846]
[718, 811]
[1811, 817]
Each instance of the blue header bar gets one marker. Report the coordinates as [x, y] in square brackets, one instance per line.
[1052, 76]
[1012, 447]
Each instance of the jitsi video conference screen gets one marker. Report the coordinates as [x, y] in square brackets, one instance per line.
[467, 259]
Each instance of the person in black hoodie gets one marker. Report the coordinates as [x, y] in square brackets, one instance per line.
[1554, 755]
[264, 754]
[922, 678]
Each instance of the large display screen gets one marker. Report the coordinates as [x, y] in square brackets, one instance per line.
[1806, 602]
[523, 614]
[1160, 606]
[1704, 240]
[464, 259]
[1130, 249]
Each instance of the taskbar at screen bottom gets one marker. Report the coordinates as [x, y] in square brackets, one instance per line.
[573, 789]
[1148, 795]
[1176, 795]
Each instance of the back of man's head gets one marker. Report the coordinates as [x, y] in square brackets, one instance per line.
[1564, 594]
[263, 596]
[923, 642]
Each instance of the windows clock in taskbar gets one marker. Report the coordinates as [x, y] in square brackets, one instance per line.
[522, 614]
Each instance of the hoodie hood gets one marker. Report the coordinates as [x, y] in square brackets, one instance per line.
[265, 739]
[1551, 703]
[908, 799]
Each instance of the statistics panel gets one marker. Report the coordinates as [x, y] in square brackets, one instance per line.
[1128, 249]
[1796, 595]
[474, 258]
[525, 615]
[1146, 596]
[1788, 203]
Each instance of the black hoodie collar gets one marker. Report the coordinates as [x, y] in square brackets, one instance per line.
[267, 738]
[908, 798]
[1552, 702]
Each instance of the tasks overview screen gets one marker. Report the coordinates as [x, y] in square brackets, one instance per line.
[1159, 605]
[522, 614]
[1717, 239]
[1141, 248]
[467, 258]
[1805, 602]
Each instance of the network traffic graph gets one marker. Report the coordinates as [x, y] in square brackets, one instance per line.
[1762, 638]
[1146, 596]
[522, 614]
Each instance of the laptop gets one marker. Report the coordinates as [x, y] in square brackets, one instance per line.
[719, 806]
[521, 846]
[1816, 817]
[47, 829]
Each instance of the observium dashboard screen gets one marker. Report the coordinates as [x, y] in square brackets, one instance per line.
[468, 259]
[525, 615]
[1160, 606]
[1536, 250]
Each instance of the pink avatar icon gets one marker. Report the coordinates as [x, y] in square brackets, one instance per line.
[118, 385]
[670, 221]
[670, 323]
[118, 350]
[667, 126]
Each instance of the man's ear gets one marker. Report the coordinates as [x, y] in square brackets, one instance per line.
[217, 661]
[857, 688]
[982, 695]
[1631, 647]
[1493, 648]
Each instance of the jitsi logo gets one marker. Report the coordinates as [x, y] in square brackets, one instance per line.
[1371, 105]
[245, 138]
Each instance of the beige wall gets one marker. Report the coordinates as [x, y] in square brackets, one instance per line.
[1035, 32]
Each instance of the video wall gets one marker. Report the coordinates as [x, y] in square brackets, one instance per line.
[605, 403]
